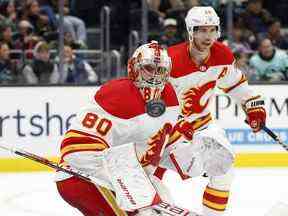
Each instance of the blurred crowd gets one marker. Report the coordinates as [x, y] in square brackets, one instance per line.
[258, 37]
[29, 33]
[29, 39]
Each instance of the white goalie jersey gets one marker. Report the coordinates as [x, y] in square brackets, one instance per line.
[116, 116]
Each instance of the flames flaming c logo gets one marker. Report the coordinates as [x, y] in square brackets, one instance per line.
[191, 99]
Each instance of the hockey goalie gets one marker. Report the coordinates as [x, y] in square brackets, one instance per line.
[119, 139]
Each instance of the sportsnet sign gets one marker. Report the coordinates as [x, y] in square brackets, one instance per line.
[35, 118]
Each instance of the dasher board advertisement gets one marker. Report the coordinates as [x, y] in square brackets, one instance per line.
[35, 118]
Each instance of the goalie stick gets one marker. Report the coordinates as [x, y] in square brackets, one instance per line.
[164, 207]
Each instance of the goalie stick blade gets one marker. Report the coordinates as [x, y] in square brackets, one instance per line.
[173, 210]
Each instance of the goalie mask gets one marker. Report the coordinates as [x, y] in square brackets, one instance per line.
[149, 68]
[202, 16]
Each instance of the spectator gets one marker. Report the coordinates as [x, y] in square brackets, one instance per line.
[77, 70]
[242, 62]
[39, 20]
[8, 14]
[7, 69]
[255, 17]
[42, 70]
[240, 39]
[6, 35]
[25, 39]
[191, 3]
[74, 25]
[162, 6]
[276, 35]
[47, 7]
[69, 41]
[170, 34]
[271, 64]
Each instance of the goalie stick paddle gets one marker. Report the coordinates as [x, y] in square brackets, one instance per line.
[162, 206]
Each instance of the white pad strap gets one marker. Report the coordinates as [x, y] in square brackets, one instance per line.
[133, 188]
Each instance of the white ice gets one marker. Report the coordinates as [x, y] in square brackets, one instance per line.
[253, 193]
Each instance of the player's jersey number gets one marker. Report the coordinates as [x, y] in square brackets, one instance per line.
[102, 125]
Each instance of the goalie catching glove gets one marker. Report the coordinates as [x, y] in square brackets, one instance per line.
[255, 111]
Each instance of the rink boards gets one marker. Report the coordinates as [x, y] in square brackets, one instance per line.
[35, 118]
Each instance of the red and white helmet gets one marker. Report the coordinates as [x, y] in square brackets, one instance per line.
[201, 16]
[149, 68]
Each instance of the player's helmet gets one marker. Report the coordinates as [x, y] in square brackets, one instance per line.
[149, 68]
[201, 16]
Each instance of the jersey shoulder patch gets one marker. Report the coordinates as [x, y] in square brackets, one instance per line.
[117, 96]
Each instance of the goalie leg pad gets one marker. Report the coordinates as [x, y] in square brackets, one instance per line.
[209, 152]
[131, 184]
[162, 190]
[88, 198]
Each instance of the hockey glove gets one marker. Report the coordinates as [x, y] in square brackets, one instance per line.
[256, 114]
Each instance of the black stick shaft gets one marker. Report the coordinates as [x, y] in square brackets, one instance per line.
[275, 137]
[49, 163]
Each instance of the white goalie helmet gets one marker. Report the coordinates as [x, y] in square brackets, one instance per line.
[149, 68]
[201, 16]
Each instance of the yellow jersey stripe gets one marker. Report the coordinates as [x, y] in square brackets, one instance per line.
[217, 193]
[79, 147]
[72, 134]
[215, 206]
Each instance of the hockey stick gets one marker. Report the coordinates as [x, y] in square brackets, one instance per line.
[162, 206]
[275, 137]
[56, 166]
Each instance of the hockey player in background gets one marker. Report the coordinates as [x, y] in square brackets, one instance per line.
[141, 109]
[199, 66]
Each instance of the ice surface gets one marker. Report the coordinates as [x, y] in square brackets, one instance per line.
[254, 192]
